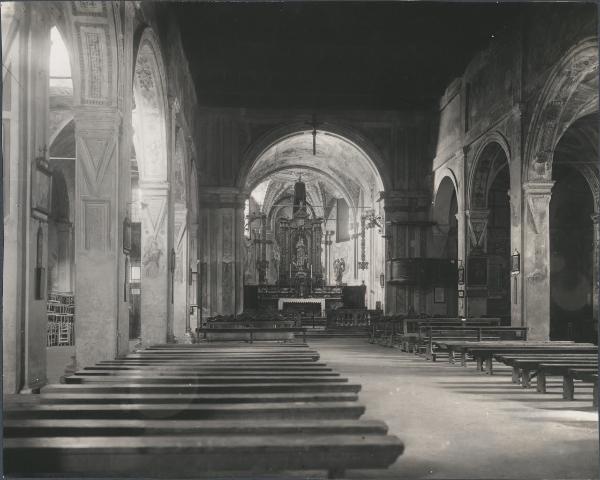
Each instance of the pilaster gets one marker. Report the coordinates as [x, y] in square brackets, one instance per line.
[596, 258]
[222, 230]
[97, 227]
[155, 275]
[536, 258]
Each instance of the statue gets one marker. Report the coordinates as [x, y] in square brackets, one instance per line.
[339, 267]
[248, 261]
[301, 255]
[276, 252]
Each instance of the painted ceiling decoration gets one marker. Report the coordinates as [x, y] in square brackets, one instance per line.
[338, 170]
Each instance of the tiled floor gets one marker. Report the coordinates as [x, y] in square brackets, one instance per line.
[460, 423]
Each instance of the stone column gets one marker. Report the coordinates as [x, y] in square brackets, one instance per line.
[222, 210]
[97, 226]
[595, 259]
[192, 282]
[155, 275]
[461, 261]
[536, 258]
[476, 294]
[181, 274]
[516, 278]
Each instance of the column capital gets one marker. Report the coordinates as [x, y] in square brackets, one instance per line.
[538, 188]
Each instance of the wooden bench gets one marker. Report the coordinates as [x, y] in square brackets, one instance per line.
[525, 366]
[112, 428]
[483, 352]
[250, 334]
[262, 410]
[585, 375]
[434, 340]
[187, 455]
[412, 328]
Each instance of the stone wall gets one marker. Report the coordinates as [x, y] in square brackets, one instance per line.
[497, 101]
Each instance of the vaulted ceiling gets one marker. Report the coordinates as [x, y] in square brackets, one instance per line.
[322, 54]
[339, 165]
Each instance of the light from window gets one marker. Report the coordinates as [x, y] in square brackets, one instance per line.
[60, 66]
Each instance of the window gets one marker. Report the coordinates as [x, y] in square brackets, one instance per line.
[342, 233]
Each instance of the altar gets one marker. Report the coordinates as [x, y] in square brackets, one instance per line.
[282, 301]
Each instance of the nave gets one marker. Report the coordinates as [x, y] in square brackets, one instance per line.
[457, 422]
[279, 408]
[178, 174]
[207, 409]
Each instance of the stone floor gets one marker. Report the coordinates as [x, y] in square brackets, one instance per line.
[460, 423]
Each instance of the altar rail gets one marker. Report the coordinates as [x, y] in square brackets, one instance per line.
[345, 318]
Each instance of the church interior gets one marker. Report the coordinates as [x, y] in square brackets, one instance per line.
[300, 239]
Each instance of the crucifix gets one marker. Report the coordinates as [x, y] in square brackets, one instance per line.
[314, 125]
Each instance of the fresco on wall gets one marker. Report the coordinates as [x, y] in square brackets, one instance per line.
[152, 259]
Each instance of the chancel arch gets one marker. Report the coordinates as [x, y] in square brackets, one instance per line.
[149, 119]
[315, 169]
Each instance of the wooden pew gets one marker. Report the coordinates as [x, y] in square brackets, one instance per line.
[200, 388]
[411, 328]
[113, 428]
[585, 375]
[483, 352]
[251, 334]
[432, 340]
[525, 366]
[213, 409]
[187, 455]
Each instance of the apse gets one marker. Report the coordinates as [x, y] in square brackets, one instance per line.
[340, 190]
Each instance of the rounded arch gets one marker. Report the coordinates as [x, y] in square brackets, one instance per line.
[98, 40]
[345, 133]
[491, 157]
[445, 188]
[578, 149]
[150, 108]
[329, 179]
[570, 92]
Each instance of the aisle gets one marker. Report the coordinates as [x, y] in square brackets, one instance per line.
[459, 423]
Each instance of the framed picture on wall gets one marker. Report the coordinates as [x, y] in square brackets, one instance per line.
[477, 271]
[41, 189]
[439, 295]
